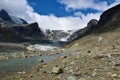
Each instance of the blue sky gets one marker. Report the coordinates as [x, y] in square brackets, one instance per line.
[53, 7]
[58, 14]
[47, 7]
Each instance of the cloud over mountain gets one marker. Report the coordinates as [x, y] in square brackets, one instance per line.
[21, 8]
[99, 5]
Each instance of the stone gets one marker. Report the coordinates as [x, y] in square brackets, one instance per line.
[30, 75]
[108, 56]
[94, 73]
[21, 72]
[3, 58]
[78, 73]
[89, 51]
[30, 48]
[71, 71]
[24, 56]
[64, 56]
[117, 64]
[114, 67]
[57, 70]
[113, 47]
[118, 76]
[74, 62]
[113, 75]
[82, 79]
[40, 60]
[71, 78]
[55, 78]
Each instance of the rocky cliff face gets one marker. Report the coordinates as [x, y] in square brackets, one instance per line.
[29, 31]
[109, 15]
[18, 27]
[82, 32]
[57, 35]
[14, 29]
[109, 21]
[20, 33]
[4, 15]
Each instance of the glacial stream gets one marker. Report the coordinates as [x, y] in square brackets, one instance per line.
[17, 64]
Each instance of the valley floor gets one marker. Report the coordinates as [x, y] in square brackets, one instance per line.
[85, 59]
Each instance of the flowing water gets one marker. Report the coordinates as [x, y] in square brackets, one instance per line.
[17, 64]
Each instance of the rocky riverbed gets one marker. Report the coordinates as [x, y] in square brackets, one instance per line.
[15, 57]
[84, 59]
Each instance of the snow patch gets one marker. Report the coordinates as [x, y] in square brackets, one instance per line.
[17, 20]
[64, 39]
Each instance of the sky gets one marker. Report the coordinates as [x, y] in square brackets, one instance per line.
[58, 14]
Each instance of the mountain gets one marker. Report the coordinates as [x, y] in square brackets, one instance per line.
[69, 35]
[14, 29]
[57, 35]
[85, 31]
[109, 21]
[18, 27]
[8, 20]
[27, 32]
[4, 15]
[18, 20]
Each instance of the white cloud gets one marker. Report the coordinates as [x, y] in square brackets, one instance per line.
[19, 8]
[64, 23]
[22, 9]
[84, 4]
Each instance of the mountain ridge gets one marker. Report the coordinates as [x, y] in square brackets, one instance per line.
[109, 20]
[9, 20]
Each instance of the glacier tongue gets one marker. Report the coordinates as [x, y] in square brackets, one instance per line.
[44, 47]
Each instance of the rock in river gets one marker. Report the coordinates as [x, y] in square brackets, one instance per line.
[57, 70]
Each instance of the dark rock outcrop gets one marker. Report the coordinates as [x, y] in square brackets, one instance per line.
[4, 15]
[29, 31]
[14, 29]
[22, 33]
[8, 35]
[82, 32]
[109, 15]
[109, 21]
[23, 21]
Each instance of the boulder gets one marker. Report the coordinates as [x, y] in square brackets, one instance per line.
[57, 70]
[40, 60]
[3, 58]
[71, 78]
[30, 48]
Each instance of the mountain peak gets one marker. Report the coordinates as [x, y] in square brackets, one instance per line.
[10, 20]
[4, 15]
[110, 15]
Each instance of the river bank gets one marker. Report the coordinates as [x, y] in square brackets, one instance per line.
[84, 59]
[14, 57]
